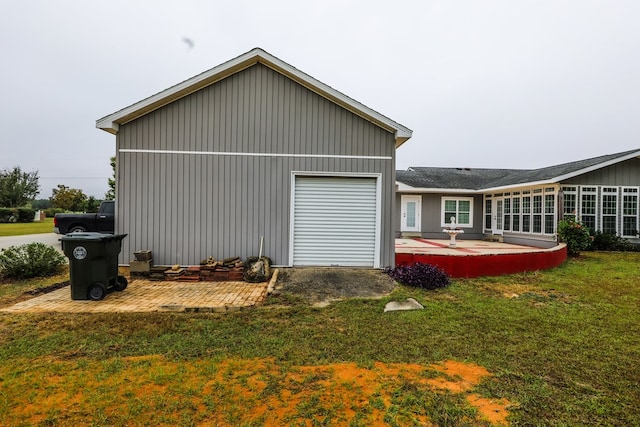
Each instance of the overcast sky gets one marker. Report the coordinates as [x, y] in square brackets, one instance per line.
[498, 84]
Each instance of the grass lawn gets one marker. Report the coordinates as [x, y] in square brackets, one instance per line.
[554, 348]
[20, 229]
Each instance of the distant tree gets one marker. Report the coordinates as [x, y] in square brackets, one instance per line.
[17, 188]
[92, 204]
[41, 204]
[70, 199]
[111, 193]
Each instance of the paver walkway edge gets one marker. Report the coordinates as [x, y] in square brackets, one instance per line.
[151, 296]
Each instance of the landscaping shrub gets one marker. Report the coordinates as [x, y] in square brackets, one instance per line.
[51, 212]
[420, 275]
[575, 234]
[25, 214]
[16, 215]
[30, 260]
[611, 242]
[7, 215]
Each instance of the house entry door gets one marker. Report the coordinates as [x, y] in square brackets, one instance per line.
[411, 213]
[498, 216]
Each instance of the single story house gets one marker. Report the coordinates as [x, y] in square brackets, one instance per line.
[521, 206]
[253, 154]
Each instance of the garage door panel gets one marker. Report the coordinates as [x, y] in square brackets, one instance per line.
[335, 220]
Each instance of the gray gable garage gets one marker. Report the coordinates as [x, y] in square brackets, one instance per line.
[256, 148]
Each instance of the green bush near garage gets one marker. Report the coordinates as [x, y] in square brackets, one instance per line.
[30, 260]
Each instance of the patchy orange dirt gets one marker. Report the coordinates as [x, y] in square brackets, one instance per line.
[153, 390]
[465, 378]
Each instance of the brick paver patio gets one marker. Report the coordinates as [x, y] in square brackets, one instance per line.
[148, 296]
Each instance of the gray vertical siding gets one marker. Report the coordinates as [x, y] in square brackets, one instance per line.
[626, 173]
[430, 222]
[186, 207]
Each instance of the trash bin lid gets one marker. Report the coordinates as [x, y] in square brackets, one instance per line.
[86, 236]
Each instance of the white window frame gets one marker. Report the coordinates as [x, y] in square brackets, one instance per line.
[444, 222]
[506, 212]
[537, 212]
[526, 214]
[605, 191]
[589, 190]
[570, 190]
[526, 210]
[553, 214]
[487, 214]
[630, 191]
[516, 214]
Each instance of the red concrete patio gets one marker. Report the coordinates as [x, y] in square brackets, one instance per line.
[476, 258]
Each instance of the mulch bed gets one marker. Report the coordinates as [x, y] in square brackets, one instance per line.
[46, 289]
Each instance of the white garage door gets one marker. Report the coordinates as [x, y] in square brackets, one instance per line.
[334, 222]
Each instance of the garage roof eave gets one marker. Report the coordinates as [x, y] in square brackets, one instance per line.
[402, 137]
[107, 126]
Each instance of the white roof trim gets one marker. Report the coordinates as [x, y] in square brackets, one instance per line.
[521, 185]
[110, 123]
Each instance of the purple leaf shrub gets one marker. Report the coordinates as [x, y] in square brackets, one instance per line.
[420, 275]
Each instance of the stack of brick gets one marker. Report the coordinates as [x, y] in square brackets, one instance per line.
[229, 269]
[209, 270]
[157, 273]
[142, 264]
[174, 273]
[190, 274]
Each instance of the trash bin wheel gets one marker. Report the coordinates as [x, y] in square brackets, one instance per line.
[96, 291]
[121, 283]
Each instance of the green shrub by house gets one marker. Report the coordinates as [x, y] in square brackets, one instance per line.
[612, 242]
[30, 260]
[575, 234]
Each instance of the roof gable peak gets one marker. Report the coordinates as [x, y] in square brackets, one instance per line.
[256, 55]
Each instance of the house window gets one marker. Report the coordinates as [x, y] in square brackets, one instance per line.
[549, 213]
[515, 217]
[630, 212]
[609, 210]
[588, 207]
[461, 208]
[507, 214]
[570, 202]
[537, 213]
[487, 212]
[526, 214]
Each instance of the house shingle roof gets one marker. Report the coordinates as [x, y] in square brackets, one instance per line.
[479, 179]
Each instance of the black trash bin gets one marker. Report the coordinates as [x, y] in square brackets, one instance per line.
[93, 264]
